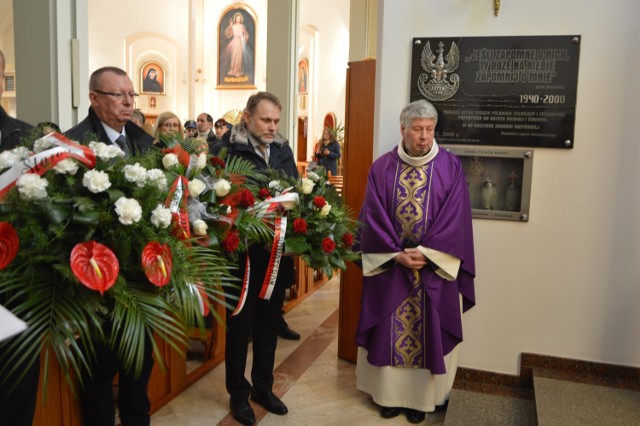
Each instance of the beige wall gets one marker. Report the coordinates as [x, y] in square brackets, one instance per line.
[566, 283]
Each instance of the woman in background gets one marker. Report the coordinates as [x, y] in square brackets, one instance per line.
[167, 126]
[327, 152]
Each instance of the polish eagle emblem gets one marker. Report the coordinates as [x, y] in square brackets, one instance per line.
[439, 82]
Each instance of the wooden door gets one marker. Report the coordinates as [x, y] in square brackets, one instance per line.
[357, 159]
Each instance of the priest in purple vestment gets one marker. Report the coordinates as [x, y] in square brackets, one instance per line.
[418, 266]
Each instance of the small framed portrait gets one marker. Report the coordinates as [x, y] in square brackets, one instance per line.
[303, 76]
[237, 31]
[152, 78]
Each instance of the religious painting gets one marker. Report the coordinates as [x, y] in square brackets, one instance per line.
[152, 78]
[303, 76]
[237, 31]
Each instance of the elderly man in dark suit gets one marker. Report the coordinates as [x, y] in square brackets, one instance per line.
[112, 95]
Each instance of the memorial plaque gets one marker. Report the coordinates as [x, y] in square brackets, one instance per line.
[504, 91]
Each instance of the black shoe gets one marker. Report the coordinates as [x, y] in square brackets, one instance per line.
[286, 333]
[271, 402]
[415, 416]
[390, 412]
[443, 407]
[243, 412]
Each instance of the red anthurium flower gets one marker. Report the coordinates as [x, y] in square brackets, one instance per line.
[157, 263]
[319, 201]
[95, 265]
[9, 243]
[328, 245]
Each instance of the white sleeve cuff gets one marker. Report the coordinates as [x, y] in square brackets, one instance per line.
[372, 262]
[448, 265]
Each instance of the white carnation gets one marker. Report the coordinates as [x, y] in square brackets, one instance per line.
[128, 210]
[8, 159]
[32, 187]
[104, 151]
[161, 217]
[325, 210]
[196, 186]
[307, 185]
[157, 177]
[66, 166]
[222, 187]
[135, 173]
[96, 181]
[42, 145]
[200, 227]
[22, 152]
[169, 161]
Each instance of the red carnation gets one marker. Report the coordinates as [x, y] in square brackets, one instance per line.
[300, 226]
[347, 239]
[246, 198]
[319, 201]
[328, 245]
[217, 161]
[263, 193]
[230, 242]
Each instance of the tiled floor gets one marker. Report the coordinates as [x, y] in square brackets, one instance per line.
[318, 388]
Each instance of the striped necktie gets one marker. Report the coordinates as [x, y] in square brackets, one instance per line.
[263, 149]
[122, 143]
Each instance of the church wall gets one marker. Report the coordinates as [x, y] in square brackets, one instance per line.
[566, 283]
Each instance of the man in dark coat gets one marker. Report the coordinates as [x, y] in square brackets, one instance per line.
[17, 404]
[11, 129]
[256, 139]
[112, 95]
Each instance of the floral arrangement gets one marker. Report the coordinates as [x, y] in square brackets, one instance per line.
[320, 228]
[89, 238]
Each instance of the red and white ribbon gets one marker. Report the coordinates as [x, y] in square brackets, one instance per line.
[44, 161]
[243, 291]
[274, 261]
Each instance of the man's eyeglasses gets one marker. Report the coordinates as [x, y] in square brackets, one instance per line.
[118, 95]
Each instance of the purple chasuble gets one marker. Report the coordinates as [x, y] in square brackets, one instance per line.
[412, 319]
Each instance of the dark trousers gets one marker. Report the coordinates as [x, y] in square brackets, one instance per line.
[18, 404]
[260, 319]
[96, 397]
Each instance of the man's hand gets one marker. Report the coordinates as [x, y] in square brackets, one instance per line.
[411, 258]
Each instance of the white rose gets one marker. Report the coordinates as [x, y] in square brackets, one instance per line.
[161, 217]
[202, 161]
[307, 185]
[32, 187]
[135, 173]
[169, 161]
[8, 159]
[196, 186]
[200, 227]
[128, 210]
[157, 178]
[96, 181]
[66, 166]
[325, 210]
[222, 187]
[288, 205]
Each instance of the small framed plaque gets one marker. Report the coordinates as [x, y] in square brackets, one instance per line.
[499, 180]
